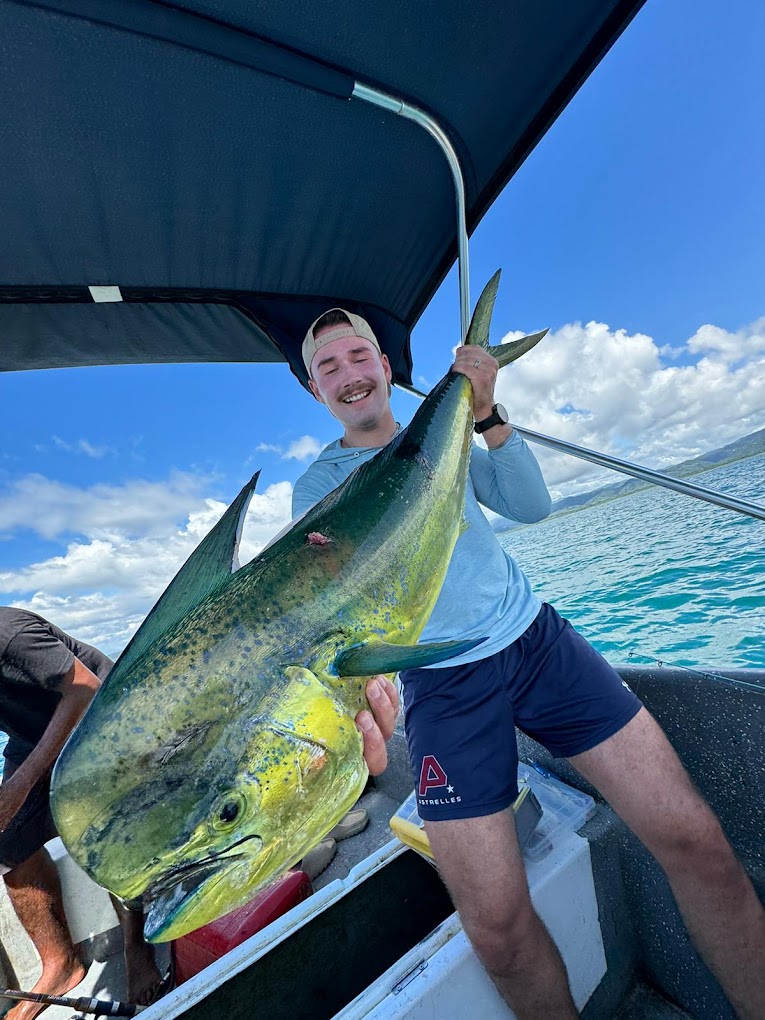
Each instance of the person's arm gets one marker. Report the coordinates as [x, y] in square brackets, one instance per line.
[506, 478]
[508, 481]
[77, 688]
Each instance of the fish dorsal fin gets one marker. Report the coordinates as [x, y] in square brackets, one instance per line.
[213, 560]
[478, 333]
[384, 657]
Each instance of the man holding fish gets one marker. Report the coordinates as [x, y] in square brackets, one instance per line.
[532, 670]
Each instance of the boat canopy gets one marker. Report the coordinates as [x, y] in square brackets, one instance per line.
[198, 181]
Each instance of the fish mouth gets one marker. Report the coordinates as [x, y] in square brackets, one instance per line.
[174, 902]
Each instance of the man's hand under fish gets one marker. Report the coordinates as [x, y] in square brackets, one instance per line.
[377, 726]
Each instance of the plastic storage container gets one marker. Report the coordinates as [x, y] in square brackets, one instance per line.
[563, 810]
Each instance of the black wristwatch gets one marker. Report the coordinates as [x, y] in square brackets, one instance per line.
[498, 416]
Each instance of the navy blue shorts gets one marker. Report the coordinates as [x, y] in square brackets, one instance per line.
[460, 720]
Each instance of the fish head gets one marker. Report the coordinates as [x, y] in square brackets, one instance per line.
[290, 790]
[196, 825]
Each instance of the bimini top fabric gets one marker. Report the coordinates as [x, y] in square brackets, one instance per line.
[207, 163]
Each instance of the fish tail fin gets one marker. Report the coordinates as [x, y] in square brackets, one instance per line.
[478, 333]
[505, 353]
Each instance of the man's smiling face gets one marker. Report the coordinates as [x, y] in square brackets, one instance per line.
[353, 379]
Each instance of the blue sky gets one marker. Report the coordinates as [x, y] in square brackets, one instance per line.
[635, 231]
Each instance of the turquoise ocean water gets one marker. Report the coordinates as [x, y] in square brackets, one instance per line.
[657, 575]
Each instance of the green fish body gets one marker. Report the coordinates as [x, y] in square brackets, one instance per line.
[222, 746]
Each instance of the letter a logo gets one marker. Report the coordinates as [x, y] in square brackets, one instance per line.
[431, 774]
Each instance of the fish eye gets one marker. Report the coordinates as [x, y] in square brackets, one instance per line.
[227, 810]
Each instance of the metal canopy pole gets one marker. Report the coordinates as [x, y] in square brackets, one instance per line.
[741, 506]
[394, 105]
[625, 467]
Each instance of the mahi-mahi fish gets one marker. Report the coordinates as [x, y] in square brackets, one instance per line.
[222, 746]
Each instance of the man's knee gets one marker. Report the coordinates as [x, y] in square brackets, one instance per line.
[36, 870]
[693, 839]
[500, 935]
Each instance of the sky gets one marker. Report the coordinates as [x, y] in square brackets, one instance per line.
[634, 231]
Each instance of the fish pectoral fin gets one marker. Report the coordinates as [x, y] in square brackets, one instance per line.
[383, 657]
[213, 560]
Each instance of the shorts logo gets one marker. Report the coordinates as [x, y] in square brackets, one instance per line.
[431, 775]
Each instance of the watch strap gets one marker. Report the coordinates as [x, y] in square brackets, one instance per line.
[487, 423]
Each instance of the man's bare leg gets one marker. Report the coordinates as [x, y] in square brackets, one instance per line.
[481, 863]
[35, 892]
[142, 973]
[640, 775]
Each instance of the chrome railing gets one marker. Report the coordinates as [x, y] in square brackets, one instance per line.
[625, 467]
[396, 105]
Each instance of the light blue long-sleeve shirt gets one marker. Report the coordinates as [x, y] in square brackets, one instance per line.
[485, 593]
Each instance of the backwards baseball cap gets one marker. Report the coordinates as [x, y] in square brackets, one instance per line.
[355, 326]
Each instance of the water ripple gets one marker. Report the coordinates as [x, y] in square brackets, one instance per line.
[659, 574]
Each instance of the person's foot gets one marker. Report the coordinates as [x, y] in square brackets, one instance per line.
[145, 983]
[356, 820]
[318, 859]
[56, 979]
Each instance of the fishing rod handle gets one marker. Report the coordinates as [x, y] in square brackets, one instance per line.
[84, 1003]
[103, 1007]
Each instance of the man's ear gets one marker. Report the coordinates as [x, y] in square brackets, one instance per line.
[388, 372]
[315, 390]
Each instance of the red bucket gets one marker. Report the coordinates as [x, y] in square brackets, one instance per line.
[200, 948]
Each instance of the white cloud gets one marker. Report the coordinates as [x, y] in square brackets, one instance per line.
[139, 507]
[729, 347]
[104, 582]
[83, 446]
[613, 391]
[269, 512]
[305, 448]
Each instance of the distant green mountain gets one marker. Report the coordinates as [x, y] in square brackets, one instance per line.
[747, 446]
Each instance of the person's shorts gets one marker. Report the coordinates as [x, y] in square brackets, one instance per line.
[31, 828]
[460, 720]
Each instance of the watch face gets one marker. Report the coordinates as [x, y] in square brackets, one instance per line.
[502, 413]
